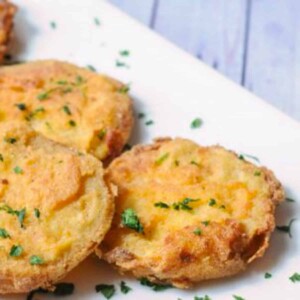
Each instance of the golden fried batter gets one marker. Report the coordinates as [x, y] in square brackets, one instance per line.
[68, 104]
[186, 213]
[54, 209]
[7, 12]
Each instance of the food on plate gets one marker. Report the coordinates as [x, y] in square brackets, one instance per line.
[187, 213]
[7, 13]
[70, 105]
[55, 208]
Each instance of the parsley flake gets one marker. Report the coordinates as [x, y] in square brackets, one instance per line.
[4, 234]
[106, 290]
[21, 106]
[235, 297]
[10, 140]
[67, 110]
[121, 64]
[96, 21]
[149, 122]
[124, 89]
[196, 123]
[102, 134]
[184, 204]
[126, 147]
[37, 213]
[162, 158]
[36, 260]
[161, 205]
[202, 298]
[1, 157]
[205, 223]
[53, 25]
[21, 216]
[141, 115]
[268, 275]
[18, 170]
[124, 53]
[257, 173]
[43, 96]
[197, 231]
[194, 163]
[16, 251]
[154, 286]
[290, 200]
[131, 220]
[212, 202]
[286, 228]
[91, 68]
[242, 157]
[295, 277]
[125, 289]
[72, 123]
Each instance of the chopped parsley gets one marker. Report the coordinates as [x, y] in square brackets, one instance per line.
[61, 289]
[124, 53]
[91, 68]
[212, 202]
[101, 134]
[268, 275]
[257, 173]
[121, 64]
[72, 123]
[53, 25]
[222, 206]
[154, 286]
[43, 96]
[194, 163]
[141, 115]
[10, 140]
[131, 220]
[184, 204]
[21, 106]
[1, 157]
[67, 90]
[96, 21]
[205, 223]
[67, 110]
[36, 260]
[62, 82]
[4, 234]
[235, 297]
[176, 162]
[125, 289]
[18, 170]
[16, 251]
[202, 298]
[124, 89]
[197, 231]
[196, 123]
[79, 80]
[286, 228]
[161, 205]
[162, 158]
[242, 157]
[37, 213]
[149, 122]
[295, 277]
[34, 113]
[20, 214]
[290, 200]
[126, 147]
[107, 290]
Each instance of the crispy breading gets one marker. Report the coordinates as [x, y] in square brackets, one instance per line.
[204, 212]
[55, 208]
[68, 104]
[7, 13]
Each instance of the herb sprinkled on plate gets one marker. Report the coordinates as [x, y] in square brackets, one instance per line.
[154, 286]
[107, 290]
[196, 123]
[121, 64]
[268, 275]
[91, 68]
[125, 289]
[141, 115]
[97, 21]
[289, 199]
[295, 278]
[235, 297]
[286, 228]
[37, 213]
[124, 52]
[53, 25]
[197, 231]
[150, 122]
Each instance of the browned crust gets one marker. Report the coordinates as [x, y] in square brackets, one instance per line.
[7, 13]
[230, 246]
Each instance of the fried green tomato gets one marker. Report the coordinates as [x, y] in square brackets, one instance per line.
[67, 104]
[54, 209]
[187, 213]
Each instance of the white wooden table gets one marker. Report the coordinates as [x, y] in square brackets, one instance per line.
[254, 42]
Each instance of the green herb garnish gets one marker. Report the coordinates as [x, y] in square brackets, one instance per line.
[121, 64]
[125, 289]
[16, 251]
[18, 170]
[34, 113]
[20, 214]
[290, 200]
[196, 123]
[202, 298]
[106, 290]
[162, 158]
[154, 286]
[124, 89]
[10, 140]
[97, 21]
[43, 96]
[150, 122]
[235, 297]
[124, 53]
[67, 110]
[4, 234]
[141, 115]
[72, 123]
[62, 82]
[101, 134]
[242, 157]
[131, 220]
[91, 68]
[61, 289]
[21, 106]
[1, 157]
[268, 275]
[36, 260]
[161, 205]
[205, 223]
[37, 213]
[295, 277]
[184, 204]
[257, 173]
[286, 228]
[53, 25]
[212, 202]
[197, 231]
[126, 147]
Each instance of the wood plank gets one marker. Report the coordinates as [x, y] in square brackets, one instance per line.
[273, 64]
[139, 9]
[212, 30]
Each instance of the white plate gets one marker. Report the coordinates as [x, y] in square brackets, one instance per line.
[173, 88]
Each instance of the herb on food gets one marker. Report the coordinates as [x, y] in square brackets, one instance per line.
[212, 202]
[162, 158]
[286, 228]
[131, 220]
[154, 286]
[20, 214]
[235, 297]
[126, 147]
[124, 89]
[10, 140]
[197, 231]
[268, 275]
[16, 251]
[149, 122]
[205, 223]
[67, 110]
[21, 106]
[91, 68]
[242, 157]
[161, 205]
[107, 290]
[37, 213]
[1, 157]
[4, 234]
[102, 134]
[257, 173]
[125, 289]
[36, 260]
[72, 123]
[18, 170]
[194, 163]
[184, 204]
